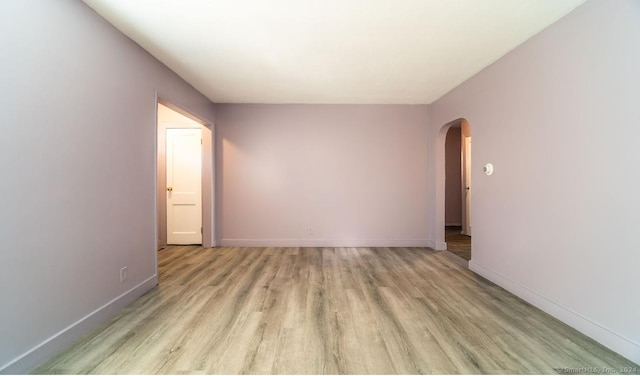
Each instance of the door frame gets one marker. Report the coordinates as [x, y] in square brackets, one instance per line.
[209, 239]
[466, 185]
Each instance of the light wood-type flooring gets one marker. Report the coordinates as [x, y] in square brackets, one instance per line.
[457, 243]
[327, 311]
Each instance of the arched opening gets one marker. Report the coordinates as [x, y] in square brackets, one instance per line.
[453, 194]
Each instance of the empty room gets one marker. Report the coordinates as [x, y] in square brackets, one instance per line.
[319, 187]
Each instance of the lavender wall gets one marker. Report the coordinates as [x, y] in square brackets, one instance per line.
[78, 173]
[453, 183]
[555, 222]
[354, 174]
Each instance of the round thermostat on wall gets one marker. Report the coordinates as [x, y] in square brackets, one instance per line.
[488, 169]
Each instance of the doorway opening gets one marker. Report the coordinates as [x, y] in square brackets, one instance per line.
[171, 118]
[457, 188]
[184, 178]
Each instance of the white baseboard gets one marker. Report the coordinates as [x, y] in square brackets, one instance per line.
[53, 345]
[440, 246]
[325, 243]
[614, 341]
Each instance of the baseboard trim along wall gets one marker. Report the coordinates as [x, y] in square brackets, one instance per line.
[439, 246]
[326, 243]
[53, 345]
[614, 341]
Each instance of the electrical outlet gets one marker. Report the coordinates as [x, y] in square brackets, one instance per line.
[309, 231]
[123, 274]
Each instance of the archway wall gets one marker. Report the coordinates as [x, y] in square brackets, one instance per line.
[550, 223]
[453, 181]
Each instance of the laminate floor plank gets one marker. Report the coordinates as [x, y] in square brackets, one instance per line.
[233, 310]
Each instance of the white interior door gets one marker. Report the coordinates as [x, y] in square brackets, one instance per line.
[467, 184]
[184, 186]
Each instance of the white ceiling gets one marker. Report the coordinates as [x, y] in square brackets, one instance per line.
[329, 51]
